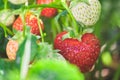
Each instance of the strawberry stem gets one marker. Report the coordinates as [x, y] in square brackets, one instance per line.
[53, 28]
[45, 5]
[57, 25]
[73, 19]
[6, 30]
[39, 24]
[23, 21]
[5, 4]
[25, 58]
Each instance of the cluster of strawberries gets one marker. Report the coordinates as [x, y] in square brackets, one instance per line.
[33, 22]
[82, 52]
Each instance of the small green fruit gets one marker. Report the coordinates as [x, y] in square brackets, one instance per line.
[106, 58]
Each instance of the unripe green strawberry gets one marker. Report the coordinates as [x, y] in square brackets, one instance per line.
[6, 17]
[87, 14]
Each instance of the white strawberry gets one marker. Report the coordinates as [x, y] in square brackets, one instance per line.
[6, 17]
[87, 13]
[17, 1]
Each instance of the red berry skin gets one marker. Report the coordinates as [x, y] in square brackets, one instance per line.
[47, 12]
[44, 1]
[31, 21]
[82, 53]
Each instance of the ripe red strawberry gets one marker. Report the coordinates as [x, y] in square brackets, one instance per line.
[11, 49]
[30, 20]
[82, 53]
[44, 1]
[47, 12]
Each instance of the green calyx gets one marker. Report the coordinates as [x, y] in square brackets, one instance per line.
[71, 34]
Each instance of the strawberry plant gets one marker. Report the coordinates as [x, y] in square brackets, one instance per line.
[58, 39]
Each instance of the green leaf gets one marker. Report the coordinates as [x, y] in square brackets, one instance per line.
[28, 37]
[2, 35]
[27, 50]
[25, 58]
[45, 50]
[3, 48]
[13, 74]
[18, 37]
[5, 67]
[46, 69]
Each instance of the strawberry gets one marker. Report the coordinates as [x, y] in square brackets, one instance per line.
[11, 49]
[30, 20]
[87, 14]
[6, 17]
[44, 1]
[82, 53]
[47, 12]
[17, 1]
